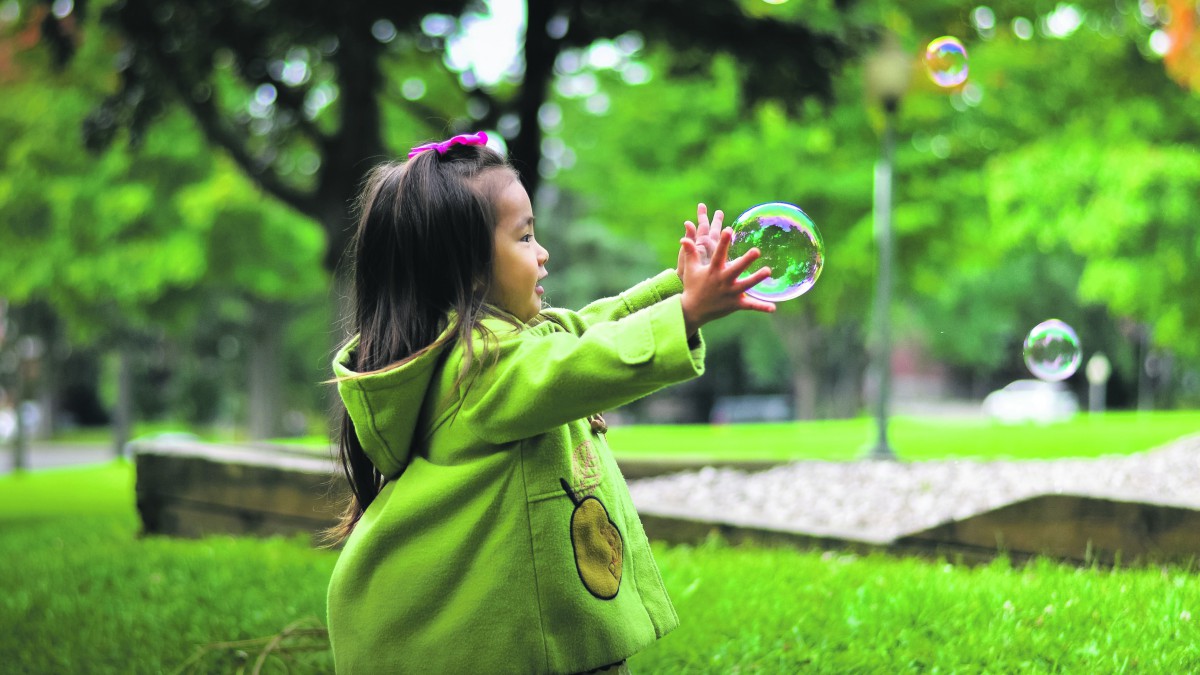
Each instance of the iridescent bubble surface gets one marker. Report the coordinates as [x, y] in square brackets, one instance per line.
[790, 245]
[1052, 351]
[946, 62]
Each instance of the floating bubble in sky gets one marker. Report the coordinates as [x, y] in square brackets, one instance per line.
[946, 62]
[790, 245]
[1052, 351]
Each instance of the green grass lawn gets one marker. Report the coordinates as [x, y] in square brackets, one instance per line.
[81, 592]
[103, 435]
[912, 439]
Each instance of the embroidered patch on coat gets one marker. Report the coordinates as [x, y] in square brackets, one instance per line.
[599, 548]
[585, 469]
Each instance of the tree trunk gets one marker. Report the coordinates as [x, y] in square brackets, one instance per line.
[847, 358]
[123, 415]
[801, 339]
[341, 305]
[541, 51]
[266, 344]
[20, 440]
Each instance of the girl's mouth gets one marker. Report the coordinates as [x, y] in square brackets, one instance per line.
[539, 290]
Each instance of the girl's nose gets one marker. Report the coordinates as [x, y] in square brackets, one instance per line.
[543, 255]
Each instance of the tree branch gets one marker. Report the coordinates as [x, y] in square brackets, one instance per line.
[420, 111]
[209, 119]
[293, 100]
[170, 70]
[541, 51]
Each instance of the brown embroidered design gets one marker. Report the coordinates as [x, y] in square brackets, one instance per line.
[585, 468]
[599, 548]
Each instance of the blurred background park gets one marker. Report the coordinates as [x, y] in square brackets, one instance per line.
[176, 181]
[176, 184]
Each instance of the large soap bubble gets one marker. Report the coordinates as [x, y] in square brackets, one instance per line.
[790, 245]
[1052, 351]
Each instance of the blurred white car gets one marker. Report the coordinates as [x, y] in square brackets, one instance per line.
[1031, 401]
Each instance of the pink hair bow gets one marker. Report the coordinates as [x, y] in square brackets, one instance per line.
[477, 138]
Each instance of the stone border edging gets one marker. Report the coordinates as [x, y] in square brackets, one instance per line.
[192, 488]
[1076, 529]
[634, 468]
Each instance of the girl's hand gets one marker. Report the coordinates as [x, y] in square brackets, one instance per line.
[704, 235]
[712, 289]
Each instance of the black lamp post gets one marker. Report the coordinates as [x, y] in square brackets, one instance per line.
[888, 71]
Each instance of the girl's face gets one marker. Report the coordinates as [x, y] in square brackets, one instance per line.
[518, 262]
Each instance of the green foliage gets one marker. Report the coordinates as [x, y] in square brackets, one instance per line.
[695, 139]
[1127, 210]
[686, 138]
[1055, 183]
[256, 247]
[1006, 190]
[1058, 182]
[91, 237]
[133, 237]
[159, 244]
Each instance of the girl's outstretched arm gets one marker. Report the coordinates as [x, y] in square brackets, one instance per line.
[653, 290]
[544, 376]
[547, 376]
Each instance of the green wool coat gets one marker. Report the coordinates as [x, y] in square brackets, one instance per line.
[505, 540]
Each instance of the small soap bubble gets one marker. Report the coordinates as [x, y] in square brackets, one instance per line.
[1052, 351]
[946, 62]
[790, 245]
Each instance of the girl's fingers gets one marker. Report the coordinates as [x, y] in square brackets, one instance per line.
[718, 219]
[689, 229]
[688, 249]
[702, 219]
[722, 252]
[760, 275]
[747, 302]
[739, 265]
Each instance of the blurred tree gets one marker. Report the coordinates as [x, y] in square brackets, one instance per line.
[304, 96]
[995, 230]
[1055, 183]
[997, 218]
[130, 244]
[300, 98]
[681, 141]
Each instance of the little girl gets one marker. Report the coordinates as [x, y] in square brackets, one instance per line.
[489, 529]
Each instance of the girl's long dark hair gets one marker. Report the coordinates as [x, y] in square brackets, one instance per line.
[423, 247]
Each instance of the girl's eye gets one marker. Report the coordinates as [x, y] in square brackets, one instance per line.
[527, 238]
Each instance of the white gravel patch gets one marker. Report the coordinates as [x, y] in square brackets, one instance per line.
[878, 501]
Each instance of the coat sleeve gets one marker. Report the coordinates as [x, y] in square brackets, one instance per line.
[653, 290]
[540, 379]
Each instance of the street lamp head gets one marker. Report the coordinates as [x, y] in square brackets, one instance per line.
[888, 71]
